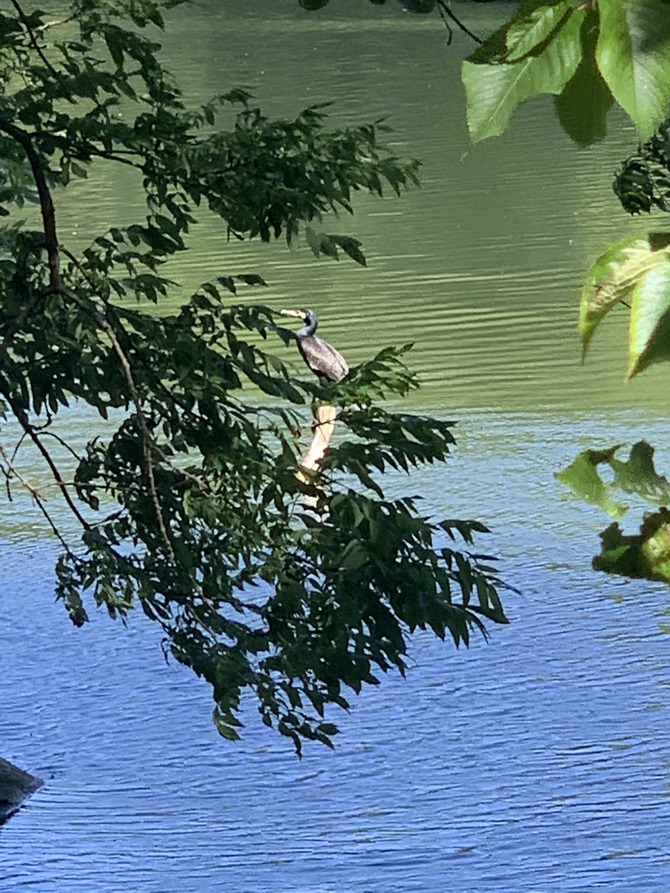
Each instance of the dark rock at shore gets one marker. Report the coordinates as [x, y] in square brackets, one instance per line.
[15, 787]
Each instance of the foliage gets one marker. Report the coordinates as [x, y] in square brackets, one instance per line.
[587, 54]
[637, 270]
[636, 273]
[643, 181]
[187, 502]
[647, 553]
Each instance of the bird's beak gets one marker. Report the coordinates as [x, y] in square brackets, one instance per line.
[291, 313]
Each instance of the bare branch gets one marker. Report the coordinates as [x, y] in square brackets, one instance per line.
[54, 23]
[23, 420]
[447, 13]
[12, 471]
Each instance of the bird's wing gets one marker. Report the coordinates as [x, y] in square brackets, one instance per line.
[323, 359]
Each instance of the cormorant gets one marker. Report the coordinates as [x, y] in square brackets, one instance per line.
[325, 362]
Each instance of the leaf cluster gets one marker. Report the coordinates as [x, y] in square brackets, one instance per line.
[588, 55]
[642, 555]
[635, 270]
[186, 503]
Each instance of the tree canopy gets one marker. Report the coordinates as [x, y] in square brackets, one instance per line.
[186, 501]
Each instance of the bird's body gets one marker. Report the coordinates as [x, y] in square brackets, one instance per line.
[325, 362]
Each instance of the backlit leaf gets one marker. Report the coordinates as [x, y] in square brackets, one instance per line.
[495, 87]
[584, 102]
[583, 479]
[649, 332]
[633, 55]
[615, 275]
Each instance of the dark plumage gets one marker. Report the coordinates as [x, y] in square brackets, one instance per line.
[325, 362]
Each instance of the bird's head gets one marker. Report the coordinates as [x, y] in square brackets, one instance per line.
[305, 315]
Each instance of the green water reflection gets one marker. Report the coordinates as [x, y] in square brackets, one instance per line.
[481, 269]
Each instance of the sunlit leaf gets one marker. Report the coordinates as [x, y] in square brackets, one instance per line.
[583, 479]
[495, 87]
[535, 23]
[649, 332]
[633, 55]
[614, 276]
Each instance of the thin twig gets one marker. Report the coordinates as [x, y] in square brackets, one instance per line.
[91, 149]
[23, 420]
[445, 10]
[12, 471]
[147, 440]
[54, 23]
[32, 37]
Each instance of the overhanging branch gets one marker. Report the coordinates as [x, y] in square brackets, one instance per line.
[24, 139]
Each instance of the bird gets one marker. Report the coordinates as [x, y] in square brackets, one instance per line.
[325, 362]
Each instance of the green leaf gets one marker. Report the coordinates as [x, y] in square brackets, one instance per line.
[227, 731]
[586, 99]
[633, 55]
[532, 26]
[649, 332]
[583, 479]
[495, 87]
[350, 246]
[638, 474]
[615, 275]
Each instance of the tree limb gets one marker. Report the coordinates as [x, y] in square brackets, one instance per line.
[46, 203]
[23, 420]
[32, 37]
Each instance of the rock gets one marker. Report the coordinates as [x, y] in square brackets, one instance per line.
[15, 786]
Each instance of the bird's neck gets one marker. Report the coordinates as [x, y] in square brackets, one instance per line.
[309, 329]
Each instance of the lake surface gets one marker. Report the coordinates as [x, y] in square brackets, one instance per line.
[539, 761]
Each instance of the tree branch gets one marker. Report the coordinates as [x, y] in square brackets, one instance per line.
[23, 420]
[32, 37]
[447, 13]
[147, 440]
[46, 203]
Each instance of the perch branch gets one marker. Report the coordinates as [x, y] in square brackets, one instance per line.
[324, 424]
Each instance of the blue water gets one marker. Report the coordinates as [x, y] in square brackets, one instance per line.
[537, 762]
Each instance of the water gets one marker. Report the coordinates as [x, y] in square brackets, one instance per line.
[537, 762]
